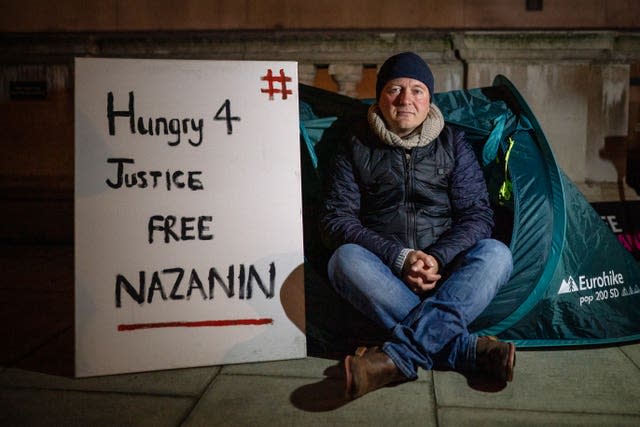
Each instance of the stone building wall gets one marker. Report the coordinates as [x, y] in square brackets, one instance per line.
[207, 15]
[577, 83]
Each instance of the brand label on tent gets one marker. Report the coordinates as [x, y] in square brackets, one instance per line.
[599, 288]
[588, 283]
[607, 285]
[188, 214]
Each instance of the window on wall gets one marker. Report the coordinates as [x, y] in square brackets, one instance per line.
[533, 5]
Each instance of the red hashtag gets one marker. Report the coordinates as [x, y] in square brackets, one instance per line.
[282, 79]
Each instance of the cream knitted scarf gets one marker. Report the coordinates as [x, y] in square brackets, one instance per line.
[421, 136]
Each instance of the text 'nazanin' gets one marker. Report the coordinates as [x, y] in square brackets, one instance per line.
[180, 284]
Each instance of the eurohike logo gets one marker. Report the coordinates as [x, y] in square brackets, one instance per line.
[604, 280]
[567, 286]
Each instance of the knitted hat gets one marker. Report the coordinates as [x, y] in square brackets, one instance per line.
[406, 64]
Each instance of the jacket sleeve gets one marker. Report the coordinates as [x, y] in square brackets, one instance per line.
[340, 218]
[472, 216]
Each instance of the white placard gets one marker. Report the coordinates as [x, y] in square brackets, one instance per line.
[188, 227]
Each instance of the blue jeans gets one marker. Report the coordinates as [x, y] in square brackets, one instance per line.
[427, 331]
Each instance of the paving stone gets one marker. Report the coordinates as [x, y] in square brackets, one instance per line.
[310, 367]
[600, 380]
[467, 417]
[49, 368]
[633, 352]
[72, 408]
[52, 367]
[178, 382]
[243, 400]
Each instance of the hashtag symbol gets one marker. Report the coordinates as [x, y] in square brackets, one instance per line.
[271, 79]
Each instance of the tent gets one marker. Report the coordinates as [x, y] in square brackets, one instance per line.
[572, 284]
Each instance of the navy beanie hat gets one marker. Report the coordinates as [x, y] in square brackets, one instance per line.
[406, 64]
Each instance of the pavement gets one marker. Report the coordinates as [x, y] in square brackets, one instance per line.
[562, 387]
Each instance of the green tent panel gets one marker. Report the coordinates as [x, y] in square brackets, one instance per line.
[572, 283]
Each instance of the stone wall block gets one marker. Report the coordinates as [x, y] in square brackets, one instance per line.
[347, 76]
[306, 73]
[576, 83]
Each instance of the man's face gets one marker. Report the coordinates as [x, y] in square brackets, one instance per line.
[404, 104]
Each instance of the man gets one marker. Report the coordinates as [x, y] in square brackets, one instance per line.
[408, 211]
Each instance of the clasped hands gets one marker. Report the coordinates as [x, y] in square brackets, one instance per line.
[420, 272]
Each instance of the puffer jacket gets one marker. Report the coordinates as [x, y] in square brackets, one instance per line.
[384, 198]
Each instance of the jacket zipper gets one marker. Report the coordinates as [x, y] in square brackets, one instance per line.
[411, 213]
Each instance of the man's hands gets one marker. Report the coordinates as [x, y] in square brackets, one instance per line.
[420, 272]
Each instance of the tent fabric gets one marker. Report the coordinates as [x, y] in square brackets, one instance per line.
[572, 283]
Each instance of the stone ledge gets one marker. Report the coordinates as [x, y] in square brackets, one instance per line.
[323, 47]
[607, 191]
[318, 47]
[610, 46]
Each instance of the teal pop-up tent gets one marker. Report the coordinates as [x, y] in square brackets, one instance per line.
[572, 284]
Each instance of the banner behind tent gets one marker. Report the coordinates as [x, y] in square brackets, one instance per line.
[188, 213]
[623, 218]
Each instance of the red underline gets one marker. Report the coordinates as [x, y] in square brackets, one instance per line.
[200, 324]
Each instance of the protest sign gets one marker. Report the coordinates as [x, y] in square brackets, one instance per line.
[188, 228]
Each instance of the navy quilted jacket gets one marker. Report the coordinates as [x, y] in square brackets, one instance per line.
[386, 199]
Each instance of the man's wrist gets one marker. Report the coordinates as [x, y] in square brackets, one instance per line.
[398, 265]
